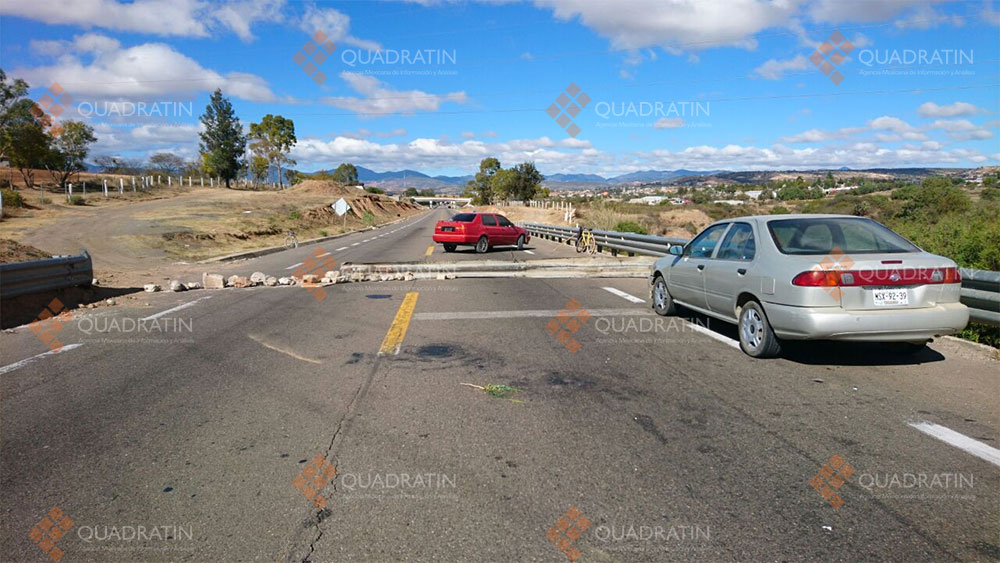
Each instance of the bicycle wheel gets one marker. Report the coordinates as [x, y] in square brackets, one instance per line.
[592, 246]
[579, 244]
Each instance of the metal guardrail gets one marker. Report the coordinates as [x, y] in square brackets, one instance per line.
[981, 294]
[21, 278]
[614, 241]
[980, 288]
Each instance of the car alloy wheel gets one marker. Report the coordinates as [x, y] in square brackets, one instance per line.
[482, 245]
[752, 329]
[663, 304]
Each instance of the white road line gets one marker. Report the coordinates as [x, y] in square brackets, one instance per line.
[529, 251]
[477, 315]
[366, 240]
[322, 255]
[294, 266]
[341, 248]
[26, 361]
[355, 244]
[712, 334]
[624, 295]
[960, 441]
[175, 309]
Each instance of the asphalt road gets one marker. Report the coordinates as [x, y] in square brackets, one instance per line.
[673, 444]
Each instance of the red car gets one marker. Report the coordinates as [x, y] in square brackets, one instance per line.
[481, 230]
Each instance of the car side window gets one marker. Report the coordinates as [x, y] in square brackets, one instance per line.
[739, 243]
[504, 222]
[703, 245]
[489, 220]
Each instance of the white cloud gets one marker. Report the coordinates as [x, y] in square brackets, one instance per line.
[835, 11]
[962, 129]
[97, 66]
[335, 24]
[378, 99]
[930, 109]
[185, 18]
[926, 17]
[675, 24]
[775, 69]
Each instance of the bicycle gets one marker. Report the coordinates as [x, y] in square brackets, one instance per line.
[586, 241]
[291, 241]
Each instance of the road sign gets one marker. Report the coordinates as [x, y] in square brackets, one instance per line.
[341, 207]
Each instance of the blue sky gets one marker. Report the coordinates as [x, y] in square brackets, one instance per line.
[710, 85]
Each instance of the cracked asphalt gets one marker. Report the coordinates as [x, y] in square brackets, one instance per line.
[656, 441]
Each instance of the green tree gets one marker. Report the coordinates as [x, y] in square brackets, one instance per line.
[346, 173]
[14, 108]
[259, 166]
[222, 141]
[273, 138]
[68, 151]
[526, 182]
[481, 188]
[411, 192]
[29, 149]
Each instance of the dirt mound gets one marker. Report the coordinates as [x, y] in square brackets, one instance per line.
[682, 223]
[13, 251]
[325, 187]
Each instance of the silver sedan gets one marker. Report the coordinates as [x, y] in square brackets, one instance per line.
[799, 277]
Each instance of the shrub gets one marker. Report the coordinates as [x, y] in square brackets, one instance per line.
[630, 227]
[45, 200]
[295, 215]
[779, 210]
[368, 218]
[12, 198]
[323, 233]
[78, 200]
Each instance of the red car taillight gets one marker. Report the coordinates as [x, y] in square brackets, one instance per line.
[853, 278]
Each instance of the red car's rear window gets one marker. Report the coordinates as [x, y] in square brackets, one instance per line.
[464, 217]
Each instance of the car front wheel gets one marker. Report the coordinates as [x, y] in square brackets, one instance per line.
[520, 242]
[756, 337]
[663, 304]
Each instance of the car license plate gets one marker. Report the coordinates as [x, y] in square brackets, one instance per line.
[890, 297]
[447, 229]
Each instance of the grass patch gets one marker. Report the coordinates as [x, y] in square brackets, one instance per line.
[498, 391]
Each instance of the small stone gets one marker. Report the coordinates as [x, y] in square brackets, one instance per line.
[90, 305]
[326, 280]
[449, 276]
[310, 278]
[440, 276]
[177, 286]
[331, 274]
[151, 288]
[193, 285]
[110, 301]
[258, 278]
[239, 281]
[213, 281]
[285, 281]
[94, 282]
[270, 281]
[408, 276]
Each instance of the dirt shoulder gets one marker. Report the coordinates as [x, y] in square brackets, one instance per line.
[162, 232]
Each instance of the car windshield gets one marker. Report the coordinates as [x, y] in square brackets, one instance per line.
[823, 235]
[464, 217]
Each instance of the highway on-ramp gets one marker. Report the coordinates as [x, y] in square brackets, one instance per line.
[501, 419]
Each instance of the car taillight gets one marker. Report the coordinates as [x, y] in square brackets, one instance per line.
[817, 278]
[853, 278]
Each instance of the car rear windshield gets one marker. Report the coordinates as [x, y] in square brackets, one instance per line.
[464, 217]
[824, 234]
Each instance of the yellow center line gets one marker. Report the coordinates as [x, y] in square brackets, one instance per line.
[430, 250]
[394, 338]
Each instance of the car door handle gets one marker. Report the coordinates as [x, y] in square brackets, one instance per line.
[741, 271]
[701, 267]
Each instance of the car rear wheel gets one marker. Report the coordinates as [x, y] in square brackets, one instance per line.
[482, 245]
[663, 304]
[520, 242]
[450, 247]
[756, 337]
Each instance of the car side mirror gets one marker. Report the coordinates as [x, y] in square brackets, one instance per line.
[676, 250]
